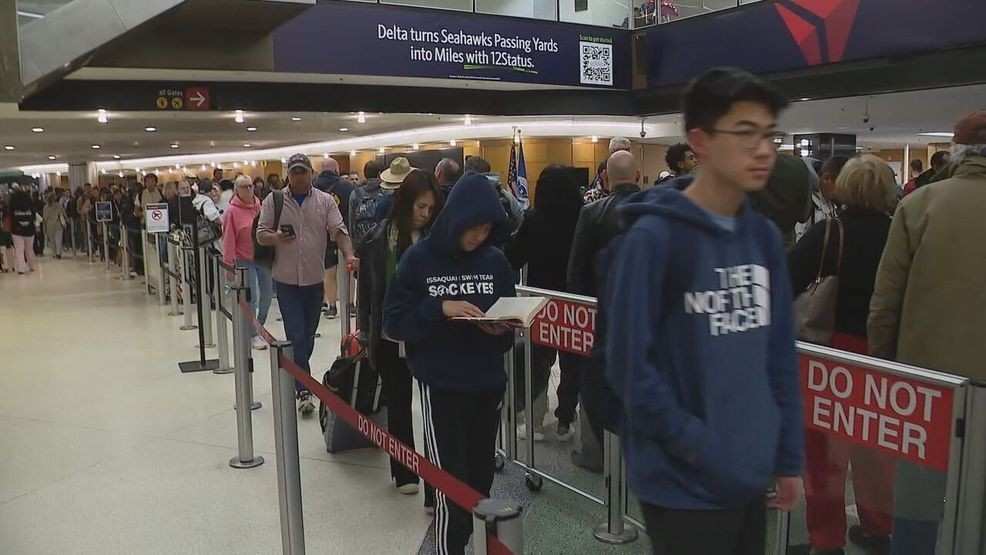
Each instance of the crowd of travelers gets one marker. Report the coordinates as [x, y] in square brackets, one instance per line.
[706, 396]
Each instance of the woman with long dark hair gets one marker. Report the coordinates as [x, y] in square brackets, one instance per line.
[543, 243]
[416, 204]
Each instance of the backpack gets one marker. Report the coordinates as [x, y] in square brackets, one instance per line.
[364, 214]
[351, 378]
[264, 254]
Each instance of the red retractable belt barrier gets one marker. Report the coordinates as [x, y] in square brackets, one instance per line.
[453, 488]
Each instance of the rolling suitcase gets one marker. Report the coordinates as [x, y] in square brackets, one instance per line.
[353, 379]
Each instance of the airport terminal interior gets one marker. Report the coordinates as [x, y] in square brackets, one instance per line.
[145, 409]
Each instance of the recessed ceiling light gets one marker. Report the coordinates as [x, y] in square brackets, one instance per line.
[95, 147]
[452, 142]
[37, 129]
[175, 145]
[101, 116]
[468, 120]
[295, 118]
[343, 129]
[52, 157]
[938, 134]
[251, 129]
[9, 147]
[361, 117]
[239, 116]
[150, 129]
[247, 145]
[116, 156]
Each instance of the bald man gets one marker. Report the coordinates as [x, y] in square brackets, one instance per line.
[330, 181]
[597, 226]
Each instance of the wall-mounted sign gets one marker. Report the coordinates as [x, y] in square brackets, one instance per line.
[412, 42]
[183, 98]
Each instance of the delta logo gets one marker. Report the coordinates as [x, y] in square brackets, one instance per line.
[820, 28]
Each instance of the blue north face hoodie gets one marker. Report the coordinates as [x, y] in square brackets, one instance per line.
[447, 355]
[700, 349]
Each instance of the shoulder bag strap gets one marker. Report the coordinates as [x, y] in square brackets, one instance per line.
[825, 247]
[278, 207]
[842, 244]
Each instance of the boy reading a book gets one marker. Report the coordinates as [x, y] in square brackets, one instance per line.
[456, 272]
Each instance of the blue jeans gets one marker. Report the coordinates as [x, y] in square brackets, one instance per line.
[301, 308]
[261, 288]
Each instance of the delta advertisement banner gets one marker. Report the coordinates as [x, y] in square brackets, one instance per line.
[349, 38]
[905, 418]
[785, 35]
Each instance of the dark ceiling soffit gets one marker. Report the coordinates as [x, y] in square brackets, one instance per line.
[278, 97]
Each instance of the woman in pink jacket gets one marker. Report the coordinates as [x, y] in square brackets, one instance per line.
[238, 249]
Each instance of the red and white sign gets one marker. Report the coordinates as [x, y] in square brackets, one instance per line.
[906, 418]
[566, 326]
[197, 98]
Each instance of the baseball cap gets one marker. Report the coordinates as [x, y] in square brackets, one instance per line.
[299, 161]
[971, 130]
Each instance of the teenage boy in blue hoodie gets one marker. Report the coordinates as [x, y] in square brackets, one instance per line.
[456, 271]
[700, 340]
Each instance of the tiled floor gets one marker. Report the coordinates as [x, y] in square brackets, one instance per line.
[106, 448]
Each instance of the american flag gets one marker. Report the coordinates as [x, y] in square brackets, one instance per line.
[517, 173]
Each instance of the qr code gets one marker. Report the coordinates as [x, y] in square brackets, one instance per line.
[595, 63]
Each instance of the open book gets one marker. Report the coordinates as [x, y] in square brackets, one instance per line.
[513, 311]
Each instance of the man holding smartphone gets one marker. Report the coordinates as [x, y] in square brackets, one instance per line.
[308, 220]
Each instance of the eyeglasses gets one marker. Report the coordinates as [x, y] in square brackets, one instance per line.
[750, 139]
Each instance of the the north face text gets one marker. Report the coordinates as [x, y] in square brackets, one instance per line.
[741, 303]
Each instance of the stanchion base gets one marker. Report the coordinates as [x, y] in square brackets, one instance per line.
[198, 366]
[188, 328]
[256, 405]
[235, 462]
[207, 345]
[179, 313]
[603, 534]
[223, 371]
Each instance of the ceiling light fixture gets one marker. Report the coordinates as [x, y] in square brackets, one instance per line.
[116, 156]
[343, 129]
[95, 147]
[239, 116]
[9, 147]
[247, 145]
[37, 130]
[295, 118]
[175, 145]
[938, 134]
[150, 129]
[101, 116]
[468, 120]
[251, 129]
[52, 157]
[361, 117]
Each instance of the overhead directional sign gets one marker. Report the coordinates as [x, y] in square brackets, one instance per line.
[186, 98]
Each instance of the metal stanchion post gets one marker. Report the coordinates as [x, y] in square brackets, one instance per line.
[510, 414]
[222, 335]
[534, 482]
[147, 269]
[75, 250]
[242, 279]
[614, 530]
[205, 299]
[125, 246]
[500, 519]
[242, 362]
[106, 245]
[286, 449]
[89, 239]
[163, 278]
[343, 289]
[173, 281]
[186, 289]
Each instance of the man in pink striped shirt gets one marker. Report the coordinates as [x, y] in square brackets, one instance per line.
[308, 220]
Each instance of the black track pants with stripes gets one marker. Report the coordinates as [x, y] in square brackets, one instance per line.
[460, 438]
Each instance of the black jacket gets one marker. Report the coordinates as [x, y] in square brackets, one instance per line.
[22, 208]
[598, 224]
[372, 252]
[866, 236]
[543, 246]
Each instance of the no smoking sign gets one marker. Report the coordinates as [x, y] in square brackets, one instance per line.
[157, 218]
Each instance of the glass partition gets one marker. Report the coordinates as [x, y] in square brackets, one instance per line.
[535, 9]
[457, 5]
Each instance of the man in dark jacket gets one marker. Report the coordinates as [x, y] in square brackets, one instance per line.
[341, 189]
[786, 200]
[447, 172]
[598, 224]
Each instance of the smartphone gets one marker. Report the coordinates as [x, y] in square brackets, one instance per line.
[288, 229]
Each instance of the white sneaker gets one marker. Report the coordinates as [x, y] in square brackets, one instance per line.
[408, 489]
[522, 433]
[305, 404]
[259, 344]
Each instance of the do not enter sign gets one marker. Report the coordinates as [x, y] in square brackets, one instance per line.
[566, 326]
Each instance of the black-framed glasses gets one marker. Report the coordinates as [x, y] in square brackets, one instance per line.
[750, 139]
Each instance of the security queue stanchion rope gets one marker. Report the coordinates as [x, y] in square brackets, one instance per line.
[174, 278]
[204, 296]
[106, 245]
[499, 520]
